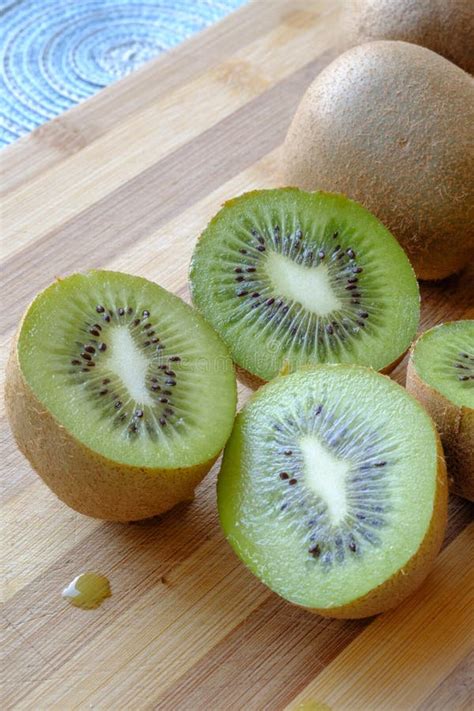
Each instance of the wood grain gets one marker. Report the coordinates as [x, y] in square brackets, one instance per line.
[127, 180]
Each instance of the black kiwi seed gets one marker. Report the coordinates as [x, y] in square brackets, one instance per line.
[94, 332]
[75, 362]
[89, 349]
[315, 551]
[136, 322]
[104, 391]
[350, 253]
[106, 381]
[292, 482]
[118, 405]
[284, 475]
[102, 347]
[121, 311]
[86, 356]
[106, 318]
[145, 313]
[174, 359]
[100, 309]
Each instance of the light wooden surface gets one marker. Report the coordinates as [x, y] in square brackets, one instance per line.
[127, 181]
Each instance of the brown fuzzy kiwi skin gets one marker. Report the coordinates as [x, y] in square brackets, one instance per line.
[456, 427]
[406, 580]
[254, 382]
[444, 26]
[381, 124]
[83, 479]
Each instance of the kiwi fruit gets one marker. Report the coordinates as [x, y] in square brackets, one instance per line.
[333, 490]
[444, 26]
[441, 375]
[291, 278]
[119, 394]
[390, 124]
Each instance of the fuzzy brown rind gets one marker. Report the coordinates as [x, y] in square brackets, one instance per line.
[406, 580]
[456, 427]
[389, 125]
[444, 26]
[85, 480]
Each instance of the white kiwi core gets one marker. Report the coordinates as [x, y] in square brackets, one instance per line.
[325, 475]
[127, 362]
[310, 286]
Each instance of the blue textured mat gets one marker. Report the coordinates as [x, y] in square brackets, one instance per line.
[56, 53]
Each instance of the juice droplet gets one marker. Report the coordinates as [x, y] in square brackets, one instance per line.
[87, 591]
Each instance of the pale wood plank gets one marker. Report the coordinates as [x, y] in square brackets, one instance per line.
[83, 124]
[456, 692]
[401, 657]
[158, 637]
[155, 131]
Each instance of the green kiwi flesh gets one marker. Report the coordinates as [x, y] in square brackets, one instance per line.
[444, 359]
[328, 485]
[290, 278]
[130, 370]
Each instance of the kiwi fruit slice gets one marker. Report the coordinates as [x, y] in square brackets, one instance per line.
[290, 278]
[333, 490]
[441, 375]
[119, 394]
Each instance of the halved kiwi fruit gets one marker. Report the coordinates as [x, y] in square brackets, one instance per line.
[333, 490]
[441, 375]
[119, 394]
[290, 278]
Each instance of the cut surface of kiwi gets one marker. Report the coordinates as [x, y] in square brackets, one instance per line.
[289, 278]
[333, 490]
[444, 358]
[127, 378]
[440, 375]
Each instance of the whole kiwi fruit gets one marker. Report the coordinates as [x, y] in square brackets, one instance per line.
[444, 26]
[390, 124]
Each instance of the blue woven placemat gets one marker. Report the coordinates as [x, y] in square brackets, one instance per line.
[55, 53]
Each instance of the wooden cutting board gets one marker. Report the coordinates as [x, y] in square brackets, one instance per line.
[127, 181]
